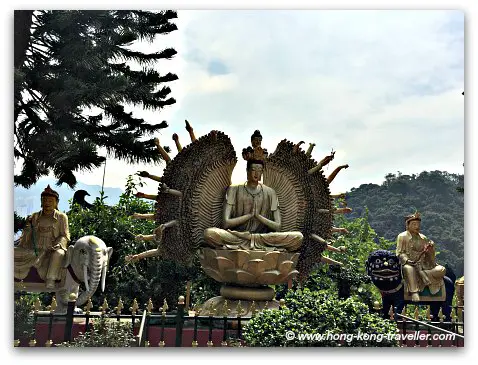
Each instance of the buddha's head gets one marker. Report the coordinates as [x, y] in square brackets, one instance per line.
[254, 170]
[413, 222]
[49, 200]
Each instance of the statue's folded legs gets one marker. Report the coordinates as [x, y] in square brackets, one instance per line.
[229, 239]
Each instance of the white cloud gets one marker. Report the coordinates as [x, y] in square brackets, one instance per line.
[383, 88]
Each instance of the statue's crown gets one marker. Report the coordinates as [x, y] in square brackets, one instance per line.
[50, 192]
[413, 217]
[255, 152]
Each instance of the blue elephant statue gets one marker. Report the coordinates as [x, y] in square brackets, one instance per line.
[384, 269]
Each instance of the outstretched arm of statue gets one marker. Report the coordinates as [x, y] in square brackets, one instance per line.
[147, 216]
[234, 222]
[339, 249]
[146, 196]
[150, 176]
[339, 230]
[273, 225]
[142, 255]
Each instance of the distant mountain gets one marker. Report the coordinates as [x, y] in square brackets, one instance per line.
[27, 201]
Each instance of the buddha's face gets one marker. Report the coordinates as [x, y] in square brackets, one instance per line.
[254, 173]
[48, 204]
[414, 227]
[256, 142]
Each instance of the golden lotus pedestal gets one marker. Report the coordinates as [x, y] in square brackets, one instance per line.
[246, 276]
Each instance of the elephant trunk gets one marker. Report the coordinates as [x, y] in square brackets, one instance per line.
[92, 284]
[85, 277]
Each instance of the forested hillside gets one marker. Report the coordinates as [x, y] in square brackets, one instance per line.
[433, 194]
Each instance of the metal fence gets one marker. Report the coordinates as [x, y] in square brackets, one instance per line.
[185, 328]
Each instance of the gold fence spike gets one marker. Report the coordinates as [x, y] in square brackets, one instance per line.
[165, 306]
[104, 306]
[49, 343]
[194, 344]
[239, 309]
[225, 308]
[119, 307]
[224, 343]
[416, 313]
[404, 311]
[440, 315]
[181, 299]
[52, 307]
[36, 305]
[32, 343]
[390, 313]
[253, 308]
[16, 343]
[428, 314]
[134, 307]
[146, 343]
[161, 343]
[149, 306]
[210, 344]
[454, 317]
[88, 306]
[282, 303]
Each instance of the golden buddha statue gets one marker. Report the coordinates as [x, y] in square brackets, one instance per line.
[252, 210]
[44, 241]
[417, 256]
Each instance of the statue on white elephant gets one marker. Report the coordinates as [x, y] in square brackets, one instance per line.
[43, 261]
[44, 241]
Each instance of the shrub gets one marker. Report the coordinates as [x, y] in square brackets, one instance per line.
[23, 317]
[104, 332]
[322, 313]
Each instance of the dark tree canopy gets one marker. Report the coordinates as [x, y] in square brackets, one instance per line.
[70, 62]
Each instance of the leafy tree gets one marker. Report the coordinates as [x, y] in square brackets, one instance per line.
[76, 73]
[321, 313]
[18, 222]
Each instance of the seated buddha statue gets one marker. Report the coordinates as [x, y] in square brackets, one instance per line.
[251, 216]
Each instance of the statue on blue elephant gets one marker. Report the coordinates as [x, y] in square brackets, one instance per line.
[43, 261]
[384, 269]
[412, 275]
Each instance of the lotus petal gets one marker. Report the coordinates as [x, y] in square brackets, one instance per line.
[256, 267]
[271, 259]
[240, 257]
[224, 263]
[269, 277]
[243, 277]
[285, 266]
[213, 274]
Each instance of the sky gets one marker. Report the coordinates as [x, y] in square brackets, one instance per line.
[381, 88]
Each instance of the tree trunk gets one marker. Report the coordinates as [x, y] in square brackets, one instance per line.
[22, 23]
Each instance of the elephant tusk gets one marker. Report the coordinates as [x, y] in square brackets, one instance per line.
[85, 277]
[103, 278]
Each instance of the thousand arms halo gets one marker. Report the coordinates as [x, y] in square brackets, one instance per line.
[192, 190]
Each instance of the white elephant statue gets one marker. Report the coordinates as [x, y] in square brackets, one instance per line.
[86, 261]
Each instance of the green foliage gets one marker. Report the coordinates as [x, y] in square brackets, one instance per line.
[320, 312]
[18, 222]
[151, 278]
[104, 332]
[433, 194]
[23, 317]
[76, 79]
